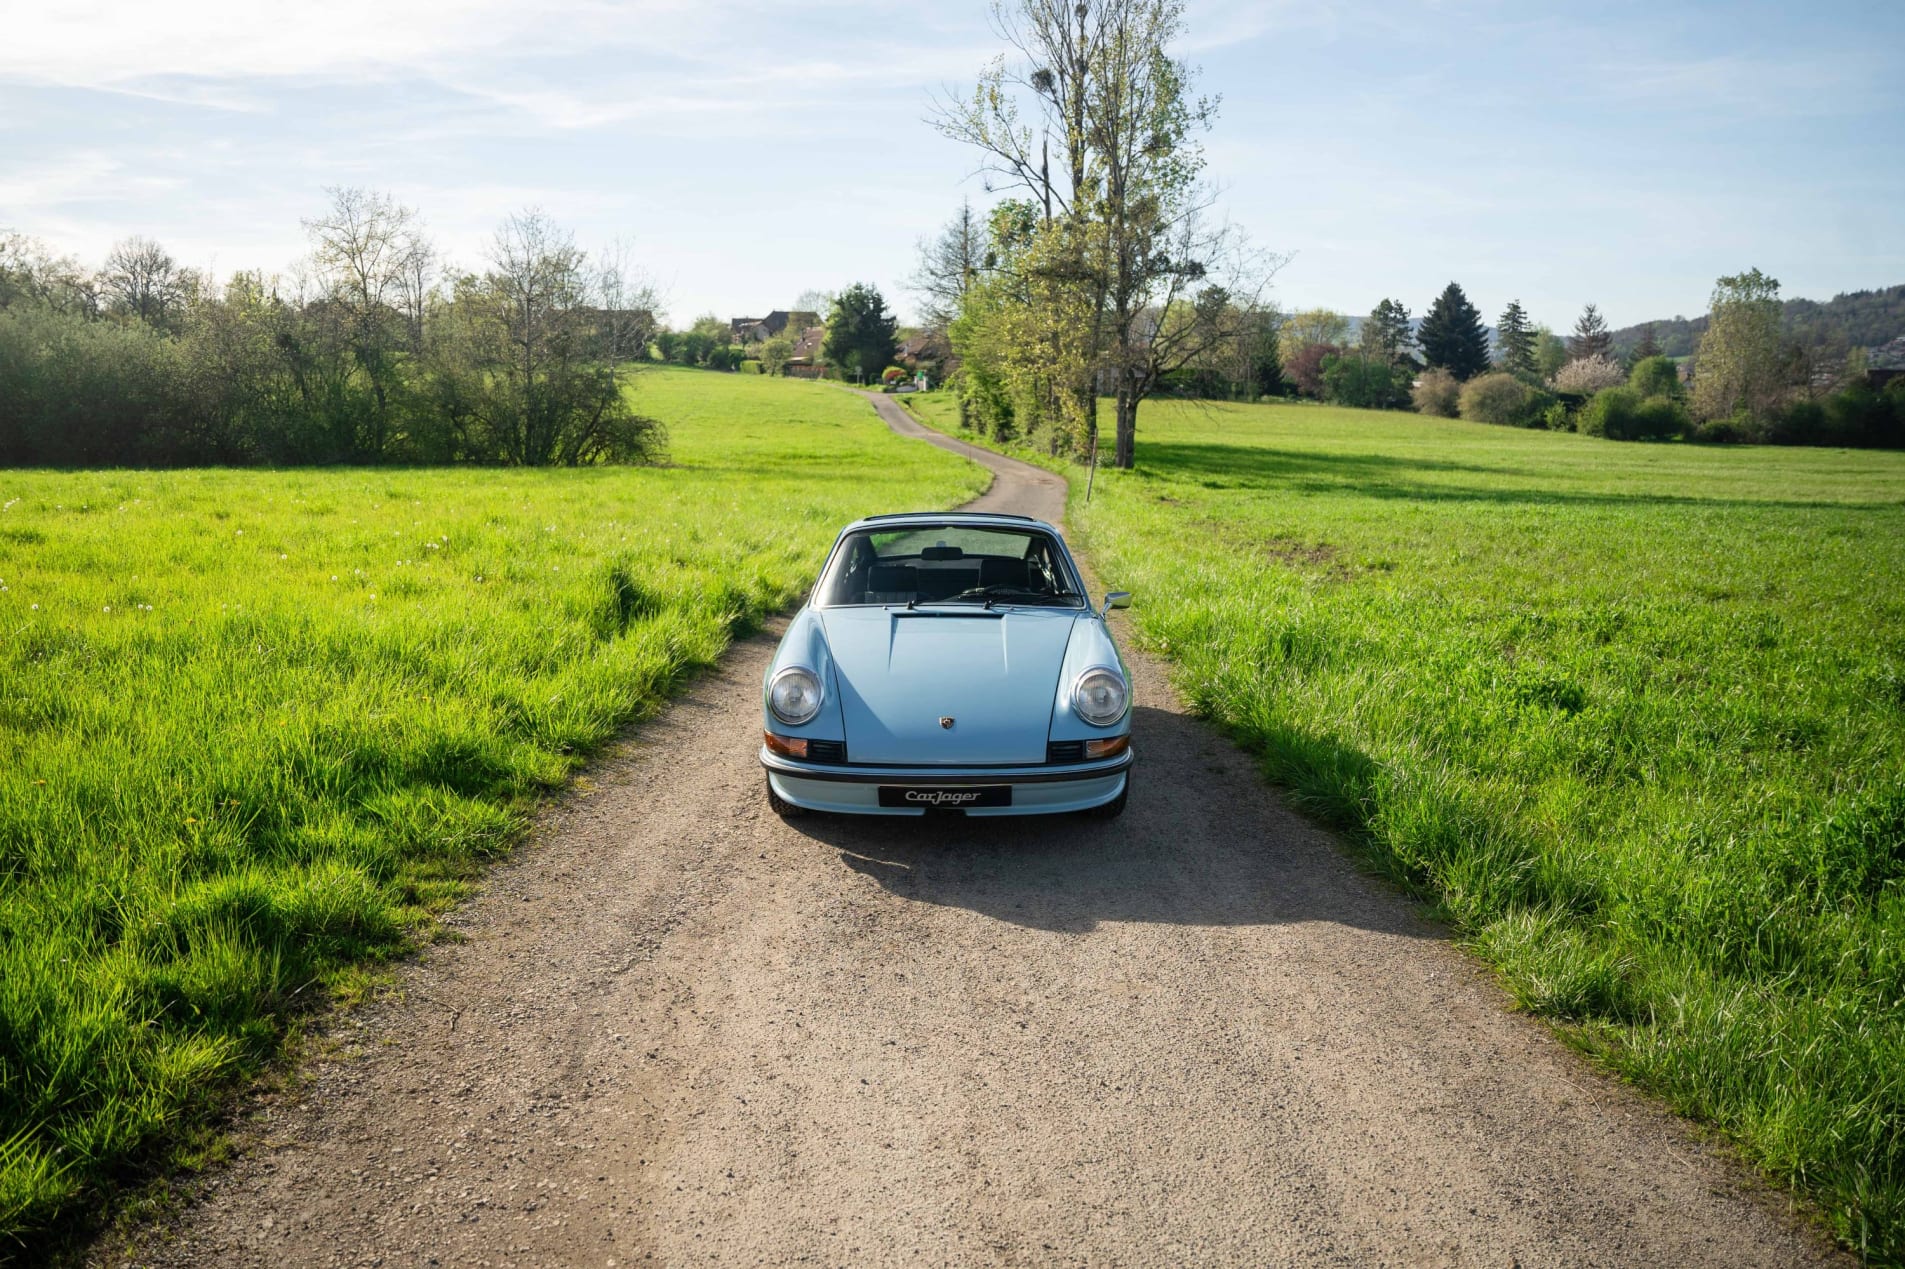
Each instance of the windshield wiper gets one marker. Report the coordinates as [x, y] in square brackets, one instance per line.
[1011, 594]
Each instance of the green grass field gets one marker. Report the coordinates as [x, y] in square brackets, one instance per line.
[256, 727]
[1634, 715]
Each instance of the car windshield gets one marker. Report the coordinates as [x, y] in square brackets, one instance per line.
[949, 564]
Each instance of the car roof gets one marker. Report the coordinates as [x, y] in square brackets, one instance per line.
[998, 519]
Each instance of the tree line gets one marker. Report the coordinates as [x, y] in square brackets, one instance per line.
[1749, 378]
[370, 350]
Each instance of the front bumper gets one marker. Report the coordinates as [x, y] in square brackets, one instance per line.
[1041, 790]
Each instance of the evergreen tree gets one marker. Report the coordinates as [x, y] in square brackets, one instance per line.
[1515, 341]
[1591, 336]
[861, 334]
[1386, 334]
[1452, 336]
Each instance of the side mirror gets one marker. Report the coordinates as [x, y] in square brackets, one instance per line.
[1117, 599]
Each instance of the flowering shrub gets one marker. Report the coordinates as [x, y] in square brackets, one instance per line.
[1590, 374]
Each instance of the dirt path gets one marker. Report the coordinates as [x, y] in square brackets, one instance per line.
[680, 1030]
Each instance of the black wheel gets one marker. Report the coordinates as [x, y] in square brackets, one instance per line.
[1114, 808]
[781, 806]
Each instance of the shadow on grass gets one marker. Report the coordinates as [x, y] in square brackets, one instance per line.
[1385, 476]
[1202, 843]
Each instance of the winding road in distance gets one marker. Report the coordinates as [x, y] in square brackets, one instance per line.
[677, 1030]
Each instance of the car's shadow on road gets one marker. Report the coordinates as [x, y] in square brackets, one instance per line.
[1203, 842]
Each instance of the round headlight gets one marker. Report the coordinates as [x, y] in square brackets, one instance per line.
[1100, 696]
[794, 695]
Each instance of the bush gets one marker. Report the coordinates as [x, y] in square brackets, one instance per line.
[751, 366]
[1738, 430]
[1655, 377]
[1304, 367]
[1437, 392]
[1558, 417]
[1856, 417]
[1503, 399]
[1590, 374]
[1369, 383]
[1622, 414]
[893, 374]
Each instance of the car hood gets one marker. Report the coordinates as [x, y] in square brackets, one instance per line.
[995, 674]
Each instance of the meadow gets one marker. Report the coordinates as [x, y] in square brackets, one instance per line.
[1633, 716]
[257, 728]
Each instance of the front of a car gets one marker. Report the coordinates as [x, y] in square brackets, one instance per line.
[948, 662]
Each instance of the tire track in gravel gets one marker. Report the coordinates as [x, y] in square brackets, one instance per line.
[679, 1030]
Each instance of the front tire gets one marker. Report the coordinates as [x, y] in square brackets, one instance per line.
[780, 805]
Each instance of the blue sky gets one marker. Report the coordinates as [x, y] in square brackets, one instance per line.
[1624, 154]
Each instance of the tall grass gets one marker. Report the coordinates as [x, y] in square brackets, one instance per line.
[256, 728]
[1634, 715]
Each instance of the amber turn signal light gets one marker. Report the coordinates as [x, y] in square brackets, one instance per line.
[785, 746]
[1109, 747]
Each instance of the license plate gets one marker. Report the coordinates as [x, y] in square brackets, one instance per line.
[942, 799]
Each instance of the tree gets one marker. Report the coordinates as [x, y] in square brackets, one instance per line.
[1590, 374]
[1367, 381]
[1452, 336]
[1303, 367]
[1315, 326]
[1737, 368]
[517, 384]
[1655, 377]
[141, 280]
[1161, 284]
[949, 265]
[1551, 353]
[1515, 341]
[1387, 334]
[1591, 336]
[363, 248]
[861, 334]
[775, 354]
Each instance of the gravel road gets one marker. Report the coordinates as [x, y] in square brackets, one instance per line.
[679, 1030]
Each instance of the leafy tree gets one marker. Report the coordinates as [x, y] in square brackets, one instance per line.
[1551, 353]
[1304, 368]
[1515, 341]
[515, 379]
[775, 354]
[1452, 336]
[1366, 381]
[1161, 285]
[1387, 334]
[362, 248]
[1737, 369]
[1315, 326]
[1591, 337]
[1655, 377]
[861, 334]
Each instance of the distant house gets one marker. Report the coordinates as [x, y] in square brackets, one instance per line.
[805, 362]
[1885, 363]
[754, 330]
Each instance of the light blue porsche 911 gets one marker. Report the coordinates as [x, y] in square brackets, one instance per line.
[948, 662]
